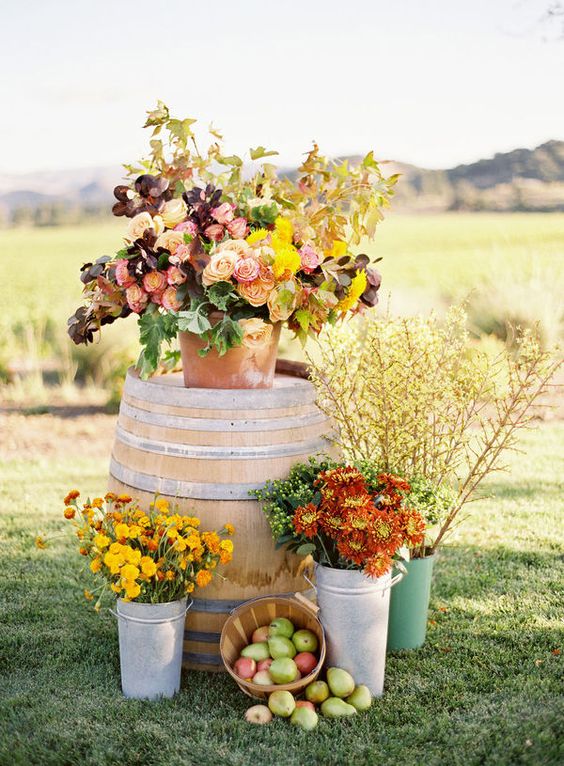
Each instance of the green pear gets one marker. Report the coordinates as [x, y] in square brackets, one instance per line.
[257, 652]
[317, 692]
[305, 641]
[281, 626]
[305, 718]
[282, 703]
[335, 707]
[340, 682]
[283, 670]
[278, 646]
[361, 699]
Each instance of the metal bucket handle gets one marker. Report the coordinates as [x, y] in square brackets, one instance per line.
[143, 621]
[395, 579]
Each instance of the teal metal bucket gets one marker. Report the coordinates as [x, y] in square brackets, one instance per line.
[409, 606]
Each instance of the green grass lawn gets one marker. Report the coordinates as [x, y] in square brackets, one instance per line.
[486, 689]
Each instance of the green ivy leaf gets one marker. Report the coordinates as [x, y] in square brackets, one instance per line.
[305, 549]
[154, 329]
[195, 319]
[222, 295]
[303, 317]
[226, 334]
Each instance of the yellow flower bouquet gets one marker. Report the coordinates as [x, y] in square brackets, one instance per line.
[150, 557]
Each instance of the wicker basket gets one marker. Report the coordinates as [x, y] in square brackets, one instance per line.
[246, 618]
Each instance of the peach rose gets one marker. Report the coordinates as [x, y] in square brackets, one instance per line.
[256, 293]
[246, 269]
[173, 212]
[256, 332]
[223, 214]
[220, 267]
[238, 228]
[157, 297]
[140, 223]
[266, 276]
[169, 300]
[123, 277]
[154, 281]
[278, 311]
[137, 298]
[174, 276]
[214, 232]
[170, 240]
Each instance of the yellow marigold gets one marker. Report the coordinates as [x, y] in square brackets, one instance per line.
[134, 531]
[203, 578]
[116, 547]
[193, 541]
[72, 495]
[284, 229]
[230, 529]
[123, 498]
[189, 587]
[170, 575]
[131, 556]
[172, 533]
[211, 541]
[116, 587]
[132, 589]
[357, 287]
[183, 563]
[101, 541]
[114, 561]
[257, 236]
[287, 261]
[191, 521]
[110, 497]
[122, 530]
[96, 565]
[148, 566]
[98, 502]
[129, 572]
[181, 544]
[40, 543]
[88, 595]
[69, 513]
[226, 545]
[162, 505]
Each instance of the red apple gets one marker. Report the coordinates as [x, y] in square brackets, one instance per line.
[305, 703]
[260, 635]
[245, 667]
[265, 664]
[306, 662]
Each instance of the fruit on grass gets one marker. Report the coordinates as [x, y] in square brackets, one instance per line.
[265, 664]
[340, 682]
[305, 641]
[305, 703]
[245, 667]
[260, 635]
[256, 651]
[304, 717]
[317, 692]
[281, 626]
[258, 714]
[263, 678]
[361, 698]
[306, 662]
[282, 703]
[335, 707]
[283, 670]
[278, 646]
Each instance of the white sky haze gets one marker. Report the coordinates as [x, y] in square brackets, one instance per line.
[434, 82]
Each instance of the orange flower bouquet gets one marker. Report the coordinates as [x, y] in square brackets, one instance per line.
[150, 557]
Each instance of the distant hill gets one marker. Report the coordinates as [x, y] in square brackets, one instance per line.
[523, 179]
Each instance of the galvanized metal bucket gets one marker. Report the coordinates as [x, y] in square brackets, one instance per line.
[353, 609]
[150, 647]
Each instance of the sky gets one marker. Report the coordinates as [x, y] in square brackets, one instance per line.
[433, 82]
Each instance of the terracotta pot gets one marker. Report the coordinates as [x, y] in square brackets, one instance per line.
[240, 367]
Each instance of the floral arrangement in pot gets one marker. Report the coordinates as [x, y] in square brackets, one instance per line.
[151, 560]
[353, 526]
[225, 258]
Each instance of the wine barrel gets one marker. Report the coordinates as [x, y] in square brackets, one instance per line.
[206, 448]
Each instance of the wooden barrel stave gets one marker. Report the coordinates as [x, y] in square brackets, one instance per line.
[206, 449]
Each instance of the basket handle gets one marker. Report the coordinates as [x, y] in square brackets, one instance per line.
[306, 602]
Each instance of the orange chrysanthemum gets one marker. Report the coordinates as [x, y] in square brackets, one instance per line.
[378, 565]
[306, 520]
[341, 482]
[385, 532]
[412, 526]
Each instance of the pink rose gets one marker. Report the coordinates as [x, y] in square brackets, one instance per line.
[189, 227]
[238, 228]
[123, 277]
[223, 214]
[246, 269]
[310, 259]
[157, 297]
[174, 276]
[137, 298]
[214, 232]
[182, 254]
[154, 281]
[169, 300]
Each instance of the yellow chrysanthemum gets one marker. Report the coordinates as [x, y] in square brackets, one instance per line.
[148, 566]
[287, 261]
[101, 541]
[284, 229]
[96, 565]
[338, 249]
[257, 236]
[115, 548]
[357, 287]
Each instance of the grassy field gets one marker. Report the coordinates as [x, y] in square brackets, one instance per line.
[486, 688]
